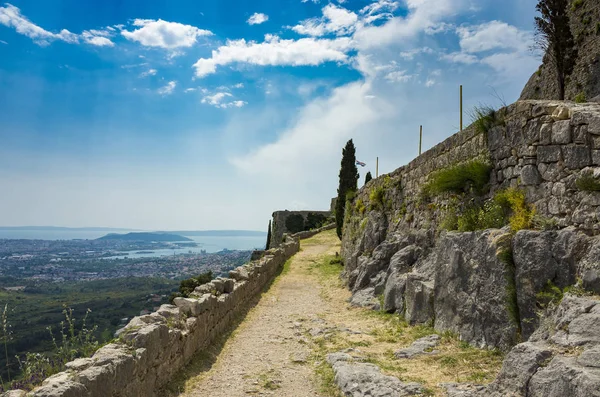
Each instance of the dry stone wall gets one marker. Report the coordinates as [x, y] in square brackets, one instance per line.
[154, 347]
[292, 222]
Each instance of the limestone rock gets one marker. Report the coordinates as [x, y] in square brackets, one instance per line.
[565, 377]
[365, 298]
[463, 390]
[359, 379]
[420, 347]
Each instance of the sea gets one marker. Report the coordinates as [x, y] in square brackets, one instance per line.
[210, 244]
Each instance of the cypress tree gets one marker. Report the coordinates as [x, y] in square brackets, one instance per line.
[268, 237]
[348, 183]
[553, 35]
[368, 177]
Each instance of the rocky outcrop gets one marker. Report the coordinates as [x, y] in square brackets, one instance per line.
[585, 78]
[420, 347]
[356, 378]
[152, 348]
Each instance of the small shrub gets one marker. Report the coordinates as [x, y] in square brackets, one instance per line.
[186, 287]
[522, 214]
[485, 118]
[576, 5]
[460, 178]
[550, 294]
[294, 223]
[580, 98]
[376, 198]
[360, 207]
[539, 72]
[543, 223]
[588, 183]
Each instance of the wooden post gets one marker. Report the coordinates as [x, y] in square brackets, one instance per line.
[461, 108]
[420, 139]
[377, 168]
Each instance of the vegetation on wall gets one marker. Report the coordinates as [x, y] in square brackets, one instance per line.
[461, 178]
[314, 221]
[294, 223]
[588, 183]
[348, 183]
[485, 118]
[186, 287]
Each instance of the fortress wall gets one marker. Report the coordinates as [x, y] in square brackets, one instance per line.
[154, 347]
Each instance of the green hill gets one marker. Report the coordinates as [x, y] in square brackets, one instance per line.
[162, 237]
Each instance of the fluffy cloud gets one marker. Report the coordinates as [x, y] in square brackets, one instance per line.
[275, 52]
[336, 20]
[163, 34]
[168, 89]
[398, 76]
[257, 19]
[218, 100]
[11, 17]
[493, 35]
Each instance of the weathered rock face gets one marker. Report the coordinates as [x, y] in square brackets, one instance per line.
[152, 348]
[586, 75]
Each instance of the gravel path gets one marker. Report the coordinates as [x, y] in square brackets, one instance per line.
[268, 354]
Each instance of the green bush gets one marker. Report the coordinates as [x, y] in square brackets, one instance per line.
[360, 207]
[294, 223]
[460, 178]
[576, 5]
[376, 198]
[522, 214]
[186, 287]
[485, 118]
[314, 221]
[588, 183]
[580, 98]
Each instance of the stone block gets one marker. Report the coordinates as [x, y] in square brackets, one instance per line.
[561, 132]
[561, 113]
[546, 134]
[596, 157]
[188, 306]
[228, 285]
[530, 175]
[580, 135]
[548, 154]
[577, 157]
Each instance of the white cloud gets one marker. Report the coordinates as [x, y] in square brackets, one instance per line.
[218, 100]
[398, 76]
[429, 83]
[167, 89]
[257, 19]
[493, 35]
[275, 52]
[163, 34]
[239, 85]
[189, 90]
[382, 9]
[336, 20]
[98, 38]
[409, 55]
[11, 16]
[3, 42]
[149, 72]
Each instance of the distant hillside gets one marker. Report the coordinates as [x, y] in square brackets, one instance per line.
[222, 233]
[145, 237]
[59, 228]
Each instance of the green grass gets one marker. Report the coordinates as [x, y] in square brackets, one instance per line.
[460, 178]
[376, 198]
[580, 98]
[485, 118]
[587, 183]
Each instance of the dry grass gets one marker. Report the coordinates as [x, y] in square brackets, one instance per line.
[382, 334]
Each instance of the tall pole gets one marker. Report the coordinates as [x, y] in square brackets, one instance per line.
[377, 168]
[461, 108]
[420, 139]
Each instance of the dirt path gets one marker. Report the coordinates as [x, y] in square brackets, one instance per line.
[280, 347]
[268, 354]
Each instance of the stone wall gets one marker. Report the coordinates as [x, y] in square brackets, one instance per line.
[456, 281]
[281, 222]
[154, 347]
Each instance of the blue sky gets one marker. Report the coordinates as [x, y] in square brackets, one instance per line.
[212, 114]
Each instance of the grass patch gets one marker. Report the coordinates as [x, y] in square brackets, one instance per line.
[360, 207]
[485, 118]
[580, 98]
[550, 294]
[522, 213]
[588, 183]
[461, 178]
[577, 4]
[376, 198]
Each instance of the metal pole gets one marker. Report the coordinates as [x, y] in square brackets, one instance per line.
[420, 139]
[461, 108]
[377, 169]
